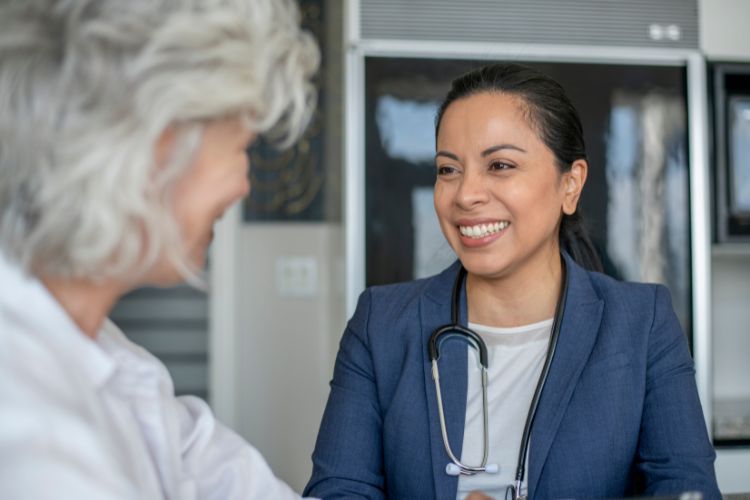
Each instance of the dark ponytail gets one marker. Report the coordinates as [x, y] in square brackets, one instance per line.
[574, 239]
[555, 120]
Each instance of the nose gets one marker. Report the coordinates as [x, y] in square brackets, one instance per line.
[472, 190]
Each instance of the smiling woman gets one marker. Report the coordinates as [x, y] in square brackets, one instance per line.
[494, 170]
[514, 185]
[123, 135]
[584, 387]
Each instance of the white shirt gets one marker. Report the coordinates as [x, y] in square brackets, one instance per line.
[85, 419]
[515, 360]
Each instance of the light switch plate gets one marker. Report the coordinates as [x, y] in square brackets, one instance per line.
[297, 276]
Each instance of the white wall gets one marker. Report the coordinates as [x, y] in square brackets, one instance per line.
[724, 36]
[731, 325]
[732, 465]
[724, 33]
[730, 334]
[271, 374]
[285, 345]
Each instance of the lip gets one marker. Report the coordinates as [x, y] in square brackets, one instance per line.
[469, 242]
[474, 222]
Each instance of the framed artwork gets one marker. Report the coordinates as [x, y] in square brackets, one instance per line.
[289, 185]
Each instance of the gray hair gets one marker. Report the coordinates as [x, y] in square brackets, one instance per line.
[87, 87]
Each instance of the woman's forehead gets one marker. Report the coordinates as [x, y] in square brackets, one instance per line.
[492, 115]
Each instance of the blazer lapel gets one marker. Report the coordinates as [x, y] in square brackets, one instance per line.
[578, 331]
[435, 311]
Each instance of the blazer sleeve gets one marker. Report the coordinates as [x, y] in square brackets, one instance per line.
[348, 456]
[674, 452]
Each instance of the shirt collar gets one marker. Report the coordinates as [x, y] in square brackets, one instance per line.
[31, 304]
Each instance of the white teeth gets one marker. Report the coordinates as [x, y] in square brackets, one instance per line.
[482, 230]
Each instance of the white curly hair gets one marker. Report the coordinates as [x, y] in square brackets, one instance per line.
[87, 87]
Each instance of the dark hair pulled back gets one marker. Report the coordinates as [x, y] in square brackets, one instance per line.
[555, 120]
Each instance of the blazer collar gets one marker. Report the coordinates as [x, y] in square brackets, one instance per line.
[435, 311]
[582, 315]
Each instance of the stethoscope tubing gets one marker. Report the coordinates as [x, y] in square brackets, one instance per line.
[462, 468]
[454, 329]
[559, 308]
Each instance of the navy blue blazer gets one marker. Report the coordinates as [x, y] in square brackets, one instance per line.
[619, 414]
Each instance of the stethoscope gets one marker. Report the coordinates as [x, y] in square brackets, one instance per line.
[454, 330]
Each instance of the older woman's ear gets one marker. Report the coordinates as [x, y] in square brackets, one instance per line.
[164, 146]
[573, 182]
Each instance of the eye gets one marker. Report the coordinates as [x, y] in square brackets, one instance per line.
[497, 165]
[446, 170]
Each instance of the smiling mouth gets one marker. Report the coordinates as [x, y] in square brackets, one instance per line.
[483, 230]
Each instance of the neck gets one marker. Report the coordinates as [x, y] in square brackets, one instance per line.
[526, 296]
[87, 303]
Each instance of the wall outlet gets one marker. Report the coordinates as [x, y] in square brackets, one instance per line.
[297, 276]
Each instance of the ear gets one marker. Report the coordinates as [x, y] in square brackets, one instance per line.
[163, 146]
[572, 184]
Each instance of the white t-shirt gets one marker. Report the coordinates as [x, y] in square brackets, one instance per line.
[98, 419]
[515, 359]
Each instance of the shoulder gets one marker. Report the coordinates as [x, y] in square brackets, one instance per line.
[398, 299]
[134, 358]
[114, 341]
[48, 406]
[32, 371]
[415, 288]
[403, 292]
[629, 294]
[626, 306]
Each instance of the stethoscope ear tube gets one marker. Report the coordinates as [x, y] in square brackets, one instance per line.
[453, 329]
[448, 331]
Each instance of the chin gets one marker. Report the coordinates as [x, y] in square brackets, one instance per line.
[198, 259]
[167, 275]
[488, 266]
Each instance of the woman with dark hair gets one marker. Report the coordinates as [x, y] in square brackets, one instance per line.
[584, 387]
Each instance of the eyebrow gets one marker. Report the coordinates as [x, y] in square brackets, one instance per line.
[499, 147]
[484, 153]
[447, 154]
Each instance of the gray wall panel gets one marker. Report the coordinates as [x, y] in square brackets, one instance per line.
[568, 22]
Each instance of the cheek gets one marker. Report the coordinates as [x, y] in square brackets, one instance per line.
[442, 198]
[544, 208]
[441, 204]
[243, 187]
[231, 192]
[229, 187]
[443, 201]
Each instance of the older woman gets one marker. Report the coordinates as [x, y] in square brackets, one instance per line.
[586, 388]
[123, 131]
